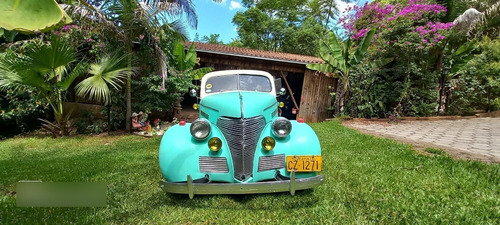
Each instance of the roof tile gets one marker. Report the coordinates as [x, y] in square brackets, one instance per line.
[224, 49]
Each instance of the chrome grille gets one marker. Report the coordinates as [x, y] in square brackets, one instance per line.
[271, 162]
[242, 135]
[213, 164]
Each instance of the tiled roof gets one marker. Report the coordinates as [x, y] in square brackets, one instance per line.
[253, 53]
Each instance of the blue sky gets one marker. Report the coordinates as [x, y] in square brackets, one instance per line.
[216, 18]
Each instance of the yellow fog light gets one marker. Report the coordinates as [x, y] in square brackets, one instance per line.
[281, 105]
[195, 106]
[214, 144]
[268, 143]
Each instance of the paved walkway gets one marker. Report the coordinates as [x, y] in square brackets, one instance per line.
[475, 138]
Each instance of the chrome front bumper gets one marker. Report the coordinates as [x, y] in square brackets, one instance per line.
[291, 185]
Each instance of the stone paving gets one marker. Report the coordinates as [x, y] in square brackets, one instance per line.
[475, 138]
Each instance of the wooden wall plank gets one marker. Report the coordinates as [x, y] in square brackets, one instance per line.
[316, 97]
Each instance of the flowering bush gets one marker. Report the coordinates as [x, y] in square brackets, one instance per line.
[410, 33]
[89, 42]
[385, 17]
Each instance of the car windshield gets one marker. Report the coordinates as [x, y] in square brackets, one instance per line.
[234, 82]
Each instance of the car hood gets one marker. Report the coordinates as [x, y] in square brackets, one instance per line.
[237, 104]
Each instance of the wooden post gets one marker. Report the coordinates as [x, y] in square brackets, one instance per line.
[289, 90]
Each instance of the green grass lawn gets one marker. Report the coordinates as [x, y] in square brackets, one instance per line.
[369, 180]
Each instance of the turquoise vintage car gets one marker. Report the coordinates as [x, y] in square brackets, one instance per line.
[239, 144]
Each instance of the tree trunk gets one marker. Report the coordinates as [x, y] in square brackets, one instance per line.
[129, 92]
[339, 98]
[438, 67]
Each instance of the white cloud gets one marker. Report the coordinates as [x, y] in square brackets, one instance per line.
[342, 6]
[235, 5]
[223, 2]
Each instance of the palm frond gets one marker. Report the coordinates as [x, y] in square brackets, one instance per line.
[79, 69]
[188, 7]
[95, 87]
[177, 8]
[50, 57]
[109, 71]
[15, 70]
[176, 29]
[87, 13]
[8, 77]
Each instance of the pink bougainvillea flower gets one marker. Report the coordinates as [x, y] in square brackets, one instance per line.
[66, 28]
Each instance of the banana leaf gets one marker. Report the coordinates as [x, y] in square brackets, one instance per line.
[31, 15]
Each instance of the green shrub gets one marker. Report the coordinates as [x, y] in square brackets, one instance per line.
[478, 86]
[88, 124]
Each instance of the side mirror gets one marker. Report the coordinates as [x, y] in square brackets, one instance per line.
[277, 85]
[192, 93]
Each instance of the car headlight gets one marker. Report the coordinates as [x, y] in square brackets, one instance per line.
[200, 129]
[281, 127]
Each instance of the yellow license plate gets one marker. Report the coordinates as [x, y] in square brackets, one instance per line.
[310, 163]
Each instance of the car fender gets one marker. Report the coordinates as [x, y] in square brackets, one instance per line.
[179, 155]
[302, 140]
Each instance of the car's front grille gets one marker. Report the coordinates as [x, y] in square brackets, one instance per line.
[271, 162]
[213, 164]
[242, 135]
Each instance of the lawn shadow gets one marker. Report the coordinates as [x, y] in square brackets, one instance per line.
[265, 201]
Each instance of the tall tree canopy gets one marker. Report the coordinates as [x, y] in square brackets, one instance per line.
[287, 26]
[212, 39]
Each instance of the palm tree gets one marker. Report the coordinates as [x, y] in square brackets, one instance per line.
[339, 60]
[130, 18]
[49, 67]
[45, 67]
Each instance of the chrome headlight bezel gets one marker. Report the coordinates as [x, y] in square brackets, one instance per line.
[281, 127]
[200, 129]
